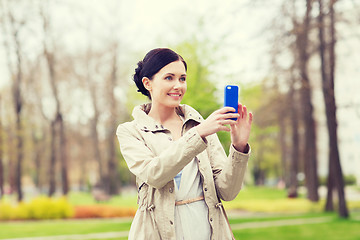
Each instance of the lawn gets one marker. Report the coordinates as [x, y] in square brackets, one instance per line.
[253, 205]
[61, 227]
[334, 229]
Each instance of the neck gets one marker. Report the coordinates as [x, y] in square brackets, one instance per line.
[161, 113]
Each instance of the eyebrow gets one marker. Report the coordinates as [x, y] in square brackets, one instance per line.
[174, 74]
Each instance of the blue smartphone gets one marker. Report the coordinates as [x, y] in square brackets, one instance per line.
[231, 97]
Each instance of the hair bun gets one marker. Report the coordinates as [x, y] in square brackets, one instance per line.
[138, 69]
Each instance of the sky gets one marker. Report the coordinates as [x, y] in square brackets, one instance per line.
[143, 25]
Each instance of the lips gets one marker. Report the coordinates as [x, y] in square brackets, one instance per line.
[174, 94]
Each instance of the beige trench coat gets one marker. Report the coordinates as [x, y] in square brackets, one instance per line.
[155, 159]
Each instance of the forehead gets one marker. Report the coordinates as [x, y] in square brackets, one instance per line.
[176, 67]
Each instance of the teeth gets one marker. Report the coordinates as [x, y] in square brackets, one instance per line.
[176, 95]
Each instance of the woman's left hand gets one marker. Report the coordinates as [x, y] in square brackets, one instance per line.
[240, 129]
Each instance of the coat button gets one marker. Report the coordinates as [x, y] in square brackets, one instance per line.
[171, 190]
[205, 189]
[170, 139]
[171, 222]
[210, 219]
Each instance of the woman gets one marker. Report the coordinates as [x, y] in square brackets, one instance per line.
[181, 169]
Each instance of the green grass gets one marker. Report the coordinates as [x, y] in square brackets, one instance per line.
[347, 229]
[334, 230]
[274, 217]
[265, 204]
[61, 227]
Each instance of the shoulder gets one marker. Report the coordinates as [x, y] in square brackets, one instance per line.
[125, 128]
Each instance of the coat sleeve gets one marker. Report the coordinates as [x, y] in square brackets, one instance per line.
[228, 171]
[157, 171]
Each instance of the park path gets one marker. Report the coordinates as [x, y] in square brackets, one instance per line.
[238, 226]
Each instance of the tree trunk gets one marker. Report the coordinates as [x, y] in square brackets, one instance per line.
[310, 165]
[63, 156]
[295, 142]
[52, 181]
[18, 108]
[328, 85]
[283, 145]
[59, 133]
[94, 122]
[16, 73]
[37, 161]
[113, 182]
[11, 162]
[19, 146]
[329, 206]
[1, 156]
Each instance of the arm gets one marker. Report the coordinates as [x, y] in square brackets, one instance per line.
[157, 171]
[228, 171]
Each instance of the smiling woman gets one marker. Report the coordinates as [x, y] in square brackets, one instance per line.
[181, 169]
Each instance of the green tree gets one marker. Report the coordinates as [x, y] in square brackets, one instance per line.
[201, 91]
[266, 154]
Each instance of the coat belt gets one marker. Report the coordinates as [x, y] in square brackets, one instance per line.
[182, 202]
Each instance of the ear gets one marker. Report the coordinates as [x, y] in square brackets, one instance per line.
[147, 83]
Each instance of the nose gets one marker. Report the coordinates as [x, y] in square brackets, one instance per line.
[177, 85]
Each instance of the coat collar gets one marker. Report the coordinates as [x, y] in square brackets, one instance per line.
[147, 123]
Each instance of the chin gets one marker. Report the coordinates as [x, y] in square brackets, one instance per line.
[174, 104]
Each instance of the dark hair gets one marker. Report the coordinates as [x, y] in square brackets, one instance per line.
[152, 63]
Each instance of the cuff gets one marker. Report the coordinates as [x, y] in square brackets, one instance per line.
[240, 156]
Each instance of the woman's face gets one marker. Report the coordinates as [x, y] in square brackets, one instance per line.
[168, 86]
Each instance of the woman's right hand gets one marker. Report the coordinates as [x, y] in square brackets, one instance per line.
[216, 121]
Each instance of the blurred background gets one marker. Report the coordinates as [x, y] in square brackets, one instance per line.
[66, 83]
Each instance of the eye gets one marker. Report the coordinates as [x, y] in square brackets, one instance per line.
[183, 79]
[168, 78]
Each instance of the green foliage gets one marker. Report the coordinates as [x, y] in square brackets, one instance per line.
[38, 208]
[200, 90]
[349, 180]
[83, 198]
[266, 153]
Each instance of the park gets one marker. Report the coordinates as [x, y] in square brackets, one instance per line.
[66, 83]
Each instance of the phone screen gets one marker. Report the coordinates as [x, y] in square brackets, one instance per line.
[231, 97]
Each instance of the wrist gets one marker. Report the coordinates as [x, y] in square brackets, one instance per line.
[200, 131]
[242, 147]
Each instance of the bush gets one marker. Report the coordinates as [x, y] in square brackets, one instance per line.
[103, 211]
[349, 180]
[6, 210]
[38, 208]
[286, 205]
[47, 208]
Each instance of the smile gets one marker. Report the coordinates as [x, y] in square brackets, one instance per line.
[174, 94]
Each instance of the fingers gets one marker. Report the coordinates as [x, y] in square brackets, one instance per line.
[228, 121]
[250, 117]
[243, 112]
[226, 110]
